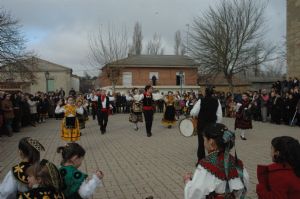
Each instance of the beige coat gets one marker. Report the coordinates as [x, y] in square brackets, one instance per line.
[7, 108]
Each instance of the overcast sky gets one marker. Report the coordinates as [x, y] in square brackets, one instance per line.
[58, 30]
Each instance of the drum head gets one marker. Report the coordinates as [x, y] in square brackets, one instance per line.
[186, 127]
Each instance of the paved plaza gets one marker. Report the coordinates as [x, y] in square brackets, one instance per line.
[136, 166]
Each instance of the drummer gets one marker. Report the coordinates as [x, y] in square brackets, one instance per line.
[70, 125]
[208, 110]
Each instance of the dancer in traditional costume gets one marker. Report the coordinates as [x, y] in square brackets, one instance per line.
[169, 115]
[136, 109]
[70, 125]
[44, 182]
[81, 117]
[208, 110]
[103, 109]
[177, 105]
[148, 107]
[76, 184]
[16, 180]
[219, 175]
[243, 119]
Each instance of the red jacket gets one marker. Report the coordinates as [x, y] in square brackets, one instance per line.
[277, 181]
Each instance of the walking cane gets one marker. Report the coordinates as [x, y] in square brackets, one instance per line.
[292, 122]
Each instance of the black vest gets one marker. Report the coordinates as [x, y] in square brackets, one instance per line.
[148, 100]
[207, 113]
[100, 103]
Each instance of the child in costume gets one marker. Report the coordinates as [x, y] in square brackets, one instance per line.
[281, 179]
[76, 184]
[169, 115]
[16, 179]
[219, 175]
[70, 125]
[44, 182]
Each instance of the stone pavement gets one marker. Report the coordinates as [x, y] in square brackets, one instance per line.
[136, 166]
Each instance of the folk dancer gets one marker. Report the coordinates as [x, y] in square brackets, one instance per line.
[44, 182]
[177, 105]
[208, 110]
[76, 183]
[169, 115]
[219, 175]
[243, 118]
[148, 107]
[81, 119]
[94, 101]
[137, 109]
[70, 125]
[103, 108]
[16, 180]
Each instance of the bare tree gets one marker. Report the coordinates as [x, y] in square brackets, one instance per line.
[178, 41]
[137, 39]
[15, 62]
[183, 50]
[276, 68]
[107, 47]
[226, 39]
[154, 46]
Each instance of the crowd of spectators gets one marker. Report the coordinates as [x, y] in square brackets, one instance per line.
[18, 109]
[279, 104]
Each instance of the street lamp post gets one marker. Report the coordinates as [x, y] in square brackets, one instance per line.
[181, 75]
[47, 75]
[187, 38]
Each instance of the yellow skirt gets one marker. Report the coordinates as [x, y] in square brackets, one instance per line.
[70, 134]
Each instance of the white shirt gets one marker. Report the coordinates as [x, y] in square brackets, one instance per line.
[195, 111]
[10, 186]
[203, 183]
[138, 97]
[88, 187]
[62, 110]
[104, 103]
[94, 98]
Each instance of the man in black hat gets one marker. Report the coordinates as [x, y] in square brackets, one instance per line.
[208, 110]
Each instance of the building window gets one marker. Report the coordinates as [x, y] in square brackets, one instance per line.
[153, 76]
[127, 78]
[50, 84]
[178, 78]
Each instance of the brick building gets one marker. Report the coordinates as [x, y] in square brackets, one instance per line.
[139, 70]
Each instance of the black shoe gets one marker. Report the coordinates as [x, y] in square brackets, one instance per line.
[243, 138]
[102, 132]
[136, 128]
[149, 134]
[169, 126]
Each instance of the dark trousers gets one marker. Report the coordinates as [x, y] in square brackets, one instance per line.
[102, 120]
[148, 115]
[201, 150]
[94, 112]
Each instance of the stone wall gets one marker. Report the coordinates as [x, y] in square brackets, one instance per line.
[62, 79]
[293, 38]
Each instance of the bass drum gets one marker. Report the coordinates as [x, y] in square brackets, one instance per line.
[188, 127]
